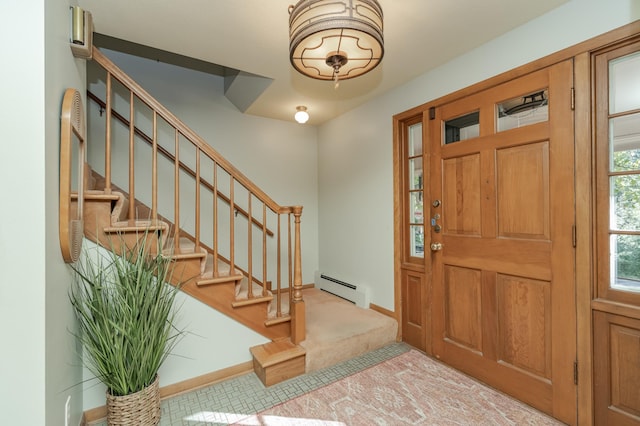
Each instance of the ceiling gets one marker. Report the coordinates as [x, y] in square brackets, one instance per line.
[252, 36]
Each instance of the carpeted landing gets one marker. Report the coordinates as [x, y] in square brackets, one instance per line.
[338, 330]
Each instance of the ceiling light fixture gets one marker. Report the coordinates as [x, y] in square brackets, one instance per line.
[335, 39]
[302, 116]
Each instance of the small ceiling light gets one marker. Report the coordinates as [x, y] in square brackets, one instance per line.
[335, 39]
[301, 115]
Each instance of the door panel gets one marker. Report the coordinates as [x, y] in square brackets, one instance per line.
[461, 194]
[523, 186]
[413, 309]
[617, 375]
[503, 288]
[524, 324]
[463, 309]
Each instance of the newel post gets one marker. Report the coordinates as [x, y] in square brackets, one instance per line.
[298, 321]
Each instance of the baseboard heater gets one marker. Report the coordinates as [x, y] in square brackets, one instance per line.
[356, 294]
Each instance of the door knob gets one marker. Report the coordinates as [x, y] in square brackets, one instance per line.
[436, 246]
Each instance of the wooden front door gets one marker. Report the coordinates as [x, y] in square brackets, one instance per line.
[501, 235]
[616, 306]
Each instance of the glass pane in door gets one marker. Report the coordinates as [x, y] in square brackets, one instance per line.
[416, 215]
[417, 241]
[523, 111]
[625, 262]
[625, 203]
[415, 173]
[462, 128]
[415, 140]
[624, 144]
[624, 83]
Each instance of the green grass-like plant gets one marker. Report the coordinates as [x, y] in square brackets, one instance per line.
[126, 315]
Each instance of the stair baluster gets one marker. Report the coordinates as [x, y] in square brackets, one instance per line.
[126, 207]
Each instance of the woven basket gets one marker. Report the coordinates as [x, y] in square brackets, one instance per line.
[139, 409]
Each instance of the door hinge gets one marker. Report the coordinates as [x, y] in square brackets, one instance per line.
[575, 373]
[573, 99]
[574, 236]
[432, 113]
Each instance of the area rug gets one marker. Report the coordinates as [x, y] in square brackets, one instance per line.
[410, 389]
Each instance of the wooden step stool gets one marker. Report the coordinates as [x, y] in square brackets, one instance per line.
[278, 361]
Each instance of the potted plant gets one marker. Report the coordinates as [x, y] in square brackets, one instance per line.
[126, 315]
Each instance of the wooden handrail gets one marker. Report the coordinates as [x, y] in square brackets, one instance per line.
[166, 154]
[236, 180]
[194, 138]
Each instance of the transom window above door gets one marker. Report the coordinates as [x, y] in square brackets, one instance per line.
[513, 113]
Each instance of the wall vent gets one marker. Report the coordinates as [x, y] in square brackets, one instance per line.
[356, 294]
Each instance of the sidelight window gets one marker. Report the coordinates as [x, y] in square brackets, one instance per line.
[414, 184]
[624, 173]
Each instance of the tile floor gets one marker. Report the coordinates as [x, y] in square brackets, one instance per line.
[234, 399]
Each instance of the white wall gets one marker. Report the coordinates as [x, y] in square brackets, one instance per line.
[37, 358]
[63, 371]
[355, 171]
[22, 361]
[278, 156]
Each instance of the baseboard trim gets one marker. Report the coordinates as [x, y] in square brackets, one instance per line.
[383, 311]
[169, 391]
[388, 313]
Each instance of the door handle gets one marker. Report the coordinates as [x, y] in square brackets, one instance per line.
[436, 246]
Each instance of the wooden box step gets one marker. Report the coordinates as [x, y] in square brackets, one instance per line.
[275, 362]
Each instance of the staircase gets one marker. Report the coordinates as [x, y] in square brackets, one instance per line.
[232, 247]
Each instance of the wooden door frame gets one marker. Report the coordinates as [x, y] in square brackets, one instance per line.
[584, 193]
[400, 123]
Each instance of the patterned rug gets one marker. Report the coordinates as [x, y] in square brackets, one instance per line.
[410, 389]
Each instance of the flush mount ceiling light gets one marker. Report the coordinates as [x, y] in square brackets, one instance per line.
[335, 39]
[302, 116]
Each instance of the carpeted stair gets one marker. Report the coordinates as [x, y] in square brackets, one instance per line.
[338, 330]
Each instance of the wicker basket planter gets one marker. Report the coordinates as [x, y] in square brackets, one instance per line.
[139, 409]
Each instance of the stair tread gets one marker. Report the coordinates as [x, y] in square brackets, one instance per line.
[223, 269]
[218, 280]
[135, 225]
[277, 320]
[253, 301]
[242, 291]
[184, 249]
[276, 352]
[97, 195]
